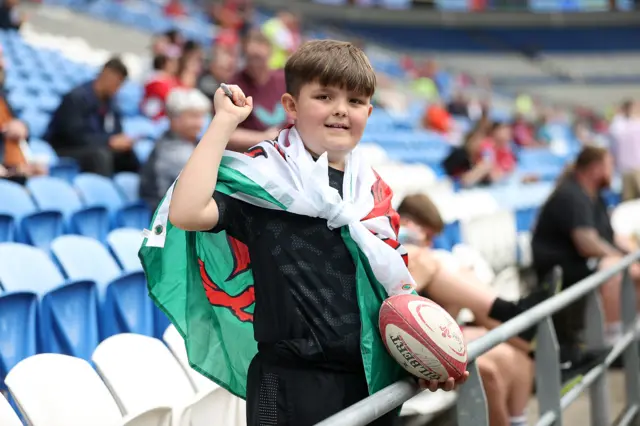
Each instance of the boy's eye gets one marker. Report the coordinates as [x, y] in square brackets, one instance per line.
[322, 97]
[357, 101]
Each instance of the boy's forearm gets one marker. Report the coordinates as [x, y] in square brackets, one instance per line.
[192, 201]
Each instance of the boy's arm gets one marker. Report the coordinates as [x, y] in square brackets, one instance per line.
[192, 205]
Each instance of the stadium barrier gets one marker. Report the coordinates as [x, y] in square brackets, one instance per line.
[472, 405]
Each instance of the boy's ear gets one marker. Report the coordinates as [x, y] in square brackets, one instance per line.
[370, 110]
[289, 104]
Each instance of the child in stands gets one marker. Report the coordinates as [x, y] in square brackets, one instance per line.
[327, 242]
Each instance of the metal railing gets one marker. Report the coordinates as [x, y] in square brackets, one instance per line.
[472, 403]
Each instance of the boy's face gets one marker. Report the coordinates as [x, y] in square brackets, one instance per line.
[329, 119]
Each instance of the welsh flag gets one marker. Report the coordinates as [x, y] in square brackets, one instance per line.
[203, 281]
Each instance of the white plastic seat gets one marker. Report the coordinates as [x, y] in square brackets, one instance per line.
[625, 219]
[227, 408]
[142, 374]
[59, 390]
[8, 417]
[494, 236]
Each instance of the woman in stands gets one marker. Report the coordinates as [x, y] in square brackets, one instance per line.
[507, 372]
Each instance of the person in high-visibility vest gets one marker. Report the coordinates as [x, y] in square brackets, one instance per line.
[284, 33]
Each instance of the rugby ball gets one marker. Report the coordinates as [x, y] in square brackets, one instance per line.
[423, 338]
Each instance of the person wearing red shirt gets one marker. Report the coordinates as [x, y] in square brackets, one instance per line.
[159, 86]
[497, 149]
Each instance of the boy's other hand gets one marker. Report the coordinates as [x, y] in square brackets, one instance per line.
[449, 385]
[238, 110]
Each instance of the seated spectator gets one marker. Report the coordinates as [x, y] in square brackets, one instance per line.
[574, 232]
[459, 105]
[186, 109]
[496, 148]
[523, 134]
[221, 68]
[437, 119]
[466, 164]
[625, 133]
[190, 65]
[157, 88]
[266, 87]
[14, 161]
[507, 372]
[420, 222]
[283, 31]
[87, 125]
[10, 17]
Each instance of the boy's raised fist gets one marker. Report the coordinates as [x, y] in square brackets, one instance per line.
[237, 107]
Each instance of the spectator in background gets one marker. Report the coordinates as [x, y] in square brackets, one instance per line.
[283, 31]
[222, 67]
[157, 88]
[266, 87]
[15, 163]
[467, 165]
[174, 9]
[523, 134]
[459, 105]
[437, 119]
[10, 16]
[496, 148]
[186, 109]
[190, 64]
[625, 132]
[87, 125]
[574, 232]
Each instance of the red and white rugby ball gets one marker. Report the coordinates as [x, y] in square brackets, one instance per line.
[423, 337]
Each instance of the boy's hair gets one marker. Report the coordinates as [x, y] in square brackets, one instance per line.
[330, 63]
[420, 209]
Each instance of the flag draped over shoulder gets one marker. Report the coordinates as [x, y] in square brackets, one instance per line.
[203, 281]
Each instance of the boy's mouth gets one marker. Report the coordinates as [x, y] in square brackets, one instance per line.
[337, 126]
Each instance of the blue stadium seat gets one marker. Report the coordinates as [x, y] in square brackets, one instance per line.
[68, 321]
[55, 194]
[128, 183]
[100, 191]
[143, 148]
[61, 167]
[18, 334]
[125, 244]
[125, 305]
[35, 227]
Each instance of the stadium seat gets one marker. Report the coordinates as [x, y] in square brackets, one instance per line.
[125, 244]
[143, 148]
[60, 167]
[226, 407]
[18, 333]
[68, 321]
[100, 191]
[55, 194]
[29, 225]
[125, 305]
[8, 417]
[128, 183]
[129, 365]
[494, 236]
[59, 390]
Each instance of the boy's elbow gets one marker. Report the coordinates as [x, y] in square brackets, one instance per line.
[187, 220]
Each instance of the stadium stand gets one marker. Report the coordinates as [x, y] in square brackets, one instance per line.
[69, 272]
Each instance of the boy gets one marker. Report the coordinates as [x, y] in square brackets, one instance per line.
[313, 323]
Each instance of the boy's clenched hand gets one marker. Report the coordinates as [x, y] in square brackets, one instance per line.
[238, 110]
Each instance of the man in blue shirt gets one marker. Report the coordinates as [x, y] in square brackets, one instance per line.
[87, 125]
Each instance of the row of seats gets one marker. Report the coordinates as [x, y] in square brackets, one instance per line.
[138, 381]
[69, 301]
[48, 207]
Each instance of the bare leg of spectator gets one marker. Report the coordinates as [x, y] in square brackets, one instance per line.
[496, 391]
